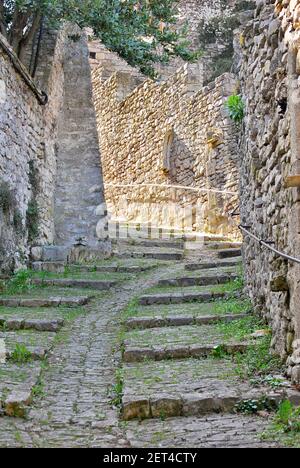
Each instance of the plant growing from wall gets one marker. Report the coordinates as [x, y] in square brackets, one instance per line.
[236, 108]
[140, 31]
[32, 214]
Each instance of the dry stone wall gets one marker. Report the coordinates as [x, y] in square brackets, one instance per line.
[42, 147]
[26, 169]
[165, 137]
[270, 152]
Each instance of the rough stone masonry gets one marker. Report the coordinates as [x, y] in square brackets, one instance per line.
[175, 135]
[42, 161]
[269, 70]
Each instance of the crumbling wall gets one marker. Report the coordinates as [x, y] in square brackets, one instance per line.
[270, 152]
[167, 150]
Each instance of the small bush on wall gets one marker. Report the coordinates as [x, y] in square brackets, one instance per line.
[236, 108]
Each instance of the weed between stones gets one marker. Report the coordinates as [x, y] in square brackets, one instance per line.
[285, 426]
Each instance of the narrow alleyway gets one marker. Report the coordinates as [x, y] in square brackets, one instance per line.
[153, 343]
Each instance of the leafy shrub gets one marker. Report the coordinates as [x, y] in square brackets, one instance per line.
[21, 354]
[236, 108]
[19, 283]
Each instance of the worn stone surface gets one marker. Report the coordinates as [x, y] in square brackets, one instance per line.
[215, 431]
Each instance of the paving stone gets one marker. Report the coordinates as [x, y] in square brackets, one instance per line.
[212, 431]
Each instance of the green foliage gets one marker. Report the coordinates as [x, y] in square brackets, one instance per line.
[254, 406]
[219, 352]
[117, 389]
[238, 330]
[285, 426]
[232, 306]
[7, 199]
[141, 31]
[236, 108]
[258, 360]
[21, 355]
[19, 283]
[32, 220]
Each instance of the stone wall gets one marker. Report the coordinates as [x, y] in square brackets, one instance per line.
[270, 152]
[23, 154]
[41, 147]
[79, 199]
[161, 138]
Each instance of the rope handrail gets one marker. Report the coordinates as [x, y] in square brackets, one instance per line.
[195, 189]
[268, 246]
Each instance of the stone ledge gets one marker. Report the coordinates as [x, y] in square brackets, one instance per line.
[75, 301]
[193, 404]
[198, 281]
[175, 321]
[212, 265]
[135, 354]
[179, 298]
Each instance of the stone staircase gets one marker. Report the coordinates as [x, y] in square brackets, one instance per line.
[179, 366]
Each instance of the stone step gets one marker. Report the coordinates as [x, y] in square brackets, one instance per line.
[183, 388]
[76, 283]
[16, 385]
[47, 302]
[150, 243]
[162, 353]
[51, 267]
[32, 324]
[112, 268]
[197, 281]
[212, 265]
[60, 267]
[166, 256]
[223, 245]
[212, 431]
[38, 343]
[179, 298]
[181, 342]
[229, 253]
[144, 323]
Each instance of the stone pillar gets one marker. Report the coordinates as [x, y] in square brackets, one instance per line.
[80, 208]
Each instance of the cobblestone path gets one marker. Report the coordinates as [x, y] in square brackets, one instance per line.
[155, 357]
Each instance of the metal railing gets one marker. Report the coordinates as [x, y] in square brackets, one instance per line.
[268, 245]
